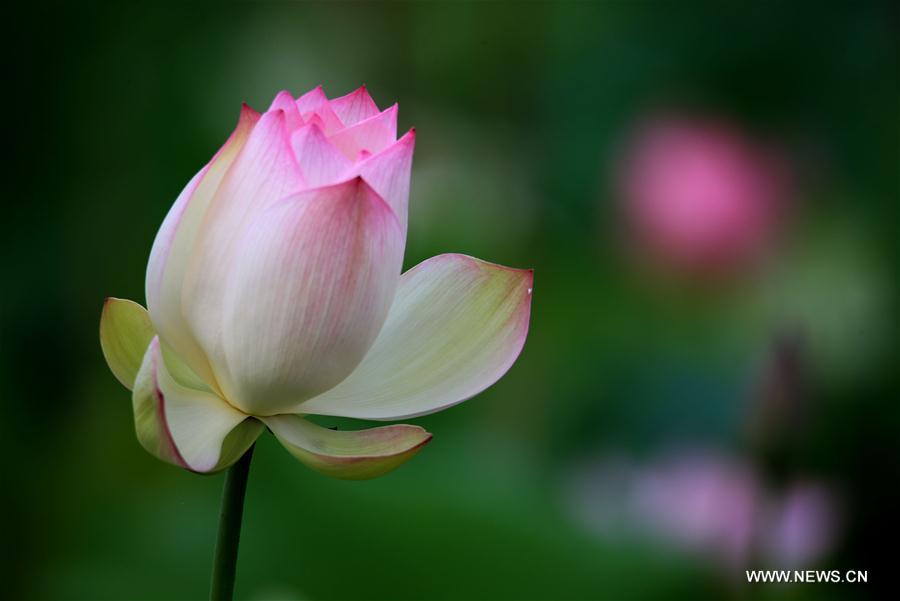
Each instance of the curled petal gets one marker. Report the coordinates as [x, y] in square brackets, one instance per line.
[348, 455]
[193, 429]
[327, 119]
[125, 334]
[315, 108]
[373, 134]
[320, 162]
[456, 326]
[304, 300]
[285, 101]
[355, 107]
[174, 244]
[388, 173]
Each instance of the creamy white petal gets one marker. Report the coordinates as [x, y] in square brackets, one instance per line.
[456, 326]
[264, 173]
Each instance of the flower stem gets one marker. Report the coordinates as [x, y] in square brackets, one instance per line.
[225, 558]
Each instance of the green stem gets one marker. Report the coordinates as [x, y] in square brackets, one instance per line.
[225, 559]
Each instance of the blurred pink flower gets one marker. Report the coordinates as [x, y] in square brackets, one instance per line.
[702, 502]
[803, 526]
[708, 504]
[700, 196]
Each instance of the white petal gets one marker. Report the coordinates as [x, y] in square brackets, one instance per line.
[174, 244]
[264, 173]
[306, 297]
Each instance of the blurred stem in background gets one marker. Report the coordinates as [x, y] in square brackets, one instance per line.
[225, 558]
[780, 423]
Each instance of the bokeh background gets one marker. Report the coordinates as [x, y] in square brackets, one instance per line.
[704, 390]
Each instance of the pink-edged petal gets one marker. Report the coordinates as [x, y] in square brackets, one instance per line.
[193, 429]
[174, 244]
[284, 101]
[373, 134]
[355, 107]
[320, 162]
[388, 173]
[264, 173]
[312, 100]
[304, 299]
[348, 455]
[456, 326]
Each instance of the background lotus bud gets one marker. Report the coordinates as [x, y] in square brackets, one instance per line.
[699, 196]
[274, 291]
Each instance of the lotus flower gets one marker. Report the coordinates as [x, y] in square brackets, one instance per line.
[274, 292]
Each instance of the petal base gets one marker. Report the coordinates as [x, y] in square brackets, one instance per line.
[193, 429]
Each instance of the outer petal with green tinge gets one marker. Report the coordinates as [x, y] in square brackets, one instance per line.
[358, 455]
[125, 334]
[193, 429]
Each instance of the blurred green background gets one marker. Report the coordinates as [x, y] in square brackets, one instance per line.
[532, 489]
